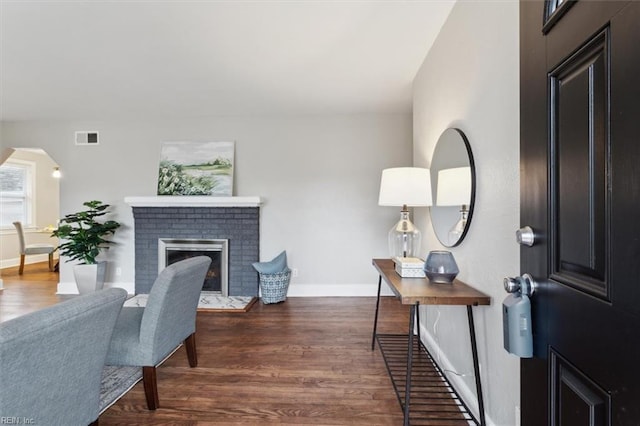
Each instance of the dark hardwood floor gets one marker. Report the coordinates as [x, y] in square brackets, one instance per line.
[306, 361]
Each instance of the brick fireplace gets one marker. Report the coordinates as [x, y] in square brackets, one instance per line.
[235, 219]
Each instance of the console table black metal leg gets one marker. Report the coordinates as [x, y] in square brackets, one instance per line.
[417, 326]
[375, 320]
[476, 365]
[407, 384]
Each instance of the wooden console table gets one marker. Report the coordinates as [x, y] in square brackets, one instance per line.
[413, 292]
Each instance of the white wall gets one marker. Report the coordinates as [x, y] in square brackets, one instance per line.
[469, 80]
[318, 175]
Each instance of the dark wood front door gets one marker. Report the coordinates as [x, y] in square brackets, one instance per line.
[580, 192]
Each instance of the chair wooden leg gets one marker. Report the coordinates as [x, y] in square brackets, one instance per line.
[50, 262]
[150, 382]
[21, 269]
[190, 344]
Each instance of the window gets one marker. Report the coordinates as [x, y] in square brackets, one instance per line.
[16, 193]
[553, 11]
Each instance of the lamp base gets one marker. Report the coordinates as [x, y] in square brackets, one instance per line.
[455, 233]
[404, 237]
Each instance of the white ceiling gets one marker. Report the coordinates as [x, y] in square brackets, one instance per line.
[90, 60]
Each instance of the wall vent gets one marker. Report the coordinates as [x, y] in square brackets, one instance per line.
[87, 138]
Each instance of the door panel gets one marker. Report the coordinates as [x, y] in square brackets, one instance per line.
[579, 106]
[580, 192]
[577, 400]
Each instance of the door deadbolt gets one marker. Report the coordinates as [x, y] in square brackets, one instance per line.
[525, 236]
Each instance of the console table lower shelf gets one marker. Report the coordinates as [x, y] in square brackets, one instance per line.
[434, 401]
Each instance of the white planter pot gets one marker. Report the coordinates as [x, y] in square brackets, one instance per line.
[90, 278]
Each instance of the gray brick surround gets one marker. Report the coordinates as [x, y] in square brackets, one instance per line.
[240, 225]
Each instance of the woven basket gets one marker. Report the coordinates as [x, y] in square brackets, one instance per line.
[274, 287]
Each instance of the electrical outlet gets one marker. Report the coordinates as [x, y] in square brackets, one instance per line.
[294, 272]
[118, 271]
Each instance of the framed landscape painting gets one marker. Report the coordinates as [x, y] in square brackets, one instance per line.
[196, 168]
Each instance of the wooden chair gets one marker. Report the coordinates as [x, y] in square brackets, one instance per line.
[145, 337]
[27, 249]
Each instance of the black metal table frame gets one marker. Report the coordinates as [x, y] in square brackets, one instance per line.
[414, 315]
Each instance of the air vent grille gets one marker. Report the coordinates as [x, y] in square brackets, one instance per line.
[87, 138]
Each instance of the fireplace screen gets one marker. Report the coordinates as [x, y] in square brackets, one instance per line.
[175, 250]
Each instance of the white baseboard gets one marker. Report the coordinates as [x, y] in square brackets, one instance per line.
[28, 260]
[295, 290]
[71, 288]
[337, 290]
[467, 394]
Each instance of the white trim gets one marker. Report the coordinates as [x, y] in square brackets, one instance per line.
[71, 288]
[337, 290]
[67, 288]
[295, 290]
[464, 391]
[11, 230]
[28, 260]
[192, 201]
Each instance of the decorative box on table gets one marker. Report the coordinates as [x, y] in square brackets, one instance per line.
[409, 267]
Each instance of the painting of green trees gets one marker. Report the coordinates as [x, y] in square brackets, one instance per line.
[196, 168]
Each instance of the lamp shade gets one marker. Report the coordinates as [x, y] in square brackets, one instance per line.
[454, 187]
[409, 186]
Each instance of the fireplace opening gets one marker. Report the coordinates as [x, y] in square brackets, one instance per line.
[174, 250]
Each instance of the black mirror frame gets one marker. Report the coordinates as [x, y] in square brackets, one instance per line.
[472, 200]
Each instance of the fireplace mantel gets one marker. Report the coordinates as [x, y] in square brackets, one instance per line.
[192, 201]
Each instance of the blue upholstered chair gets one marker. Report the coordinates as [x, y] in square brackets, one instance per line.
[51, 360]
[146, 336]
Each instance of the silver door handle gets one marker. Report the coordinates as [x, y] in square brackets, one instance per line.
[524, 285]
[526, 236]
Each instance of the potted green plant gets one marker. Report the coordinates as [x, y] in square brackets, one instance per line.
[84, 239]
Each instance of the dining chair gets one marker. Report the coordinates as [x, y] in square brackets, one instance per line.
[28, 249]
[146, 336]
[51, 360]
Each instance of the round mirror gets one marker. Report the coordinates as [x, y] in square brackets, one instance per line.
[453, 180]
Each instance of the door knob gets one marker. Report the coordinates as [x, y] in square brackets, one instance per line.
[524, 285]
[525, 236]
